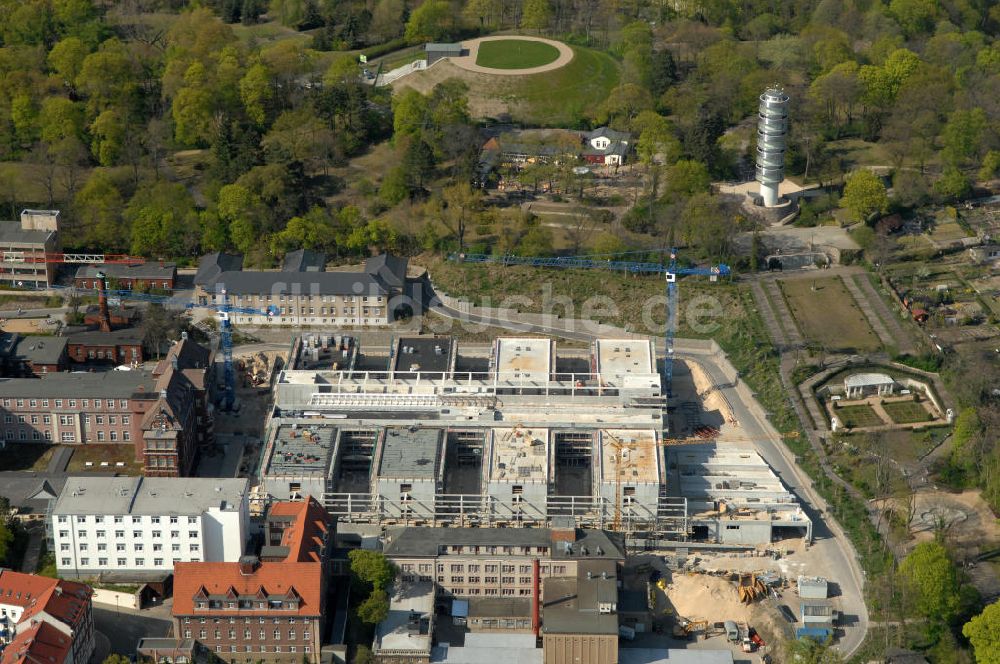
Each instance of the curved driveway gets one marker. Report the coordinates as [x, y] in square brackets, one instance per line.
[468, 62]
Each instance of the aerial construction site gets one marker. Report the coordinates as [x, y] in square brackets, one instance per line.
[512, 434]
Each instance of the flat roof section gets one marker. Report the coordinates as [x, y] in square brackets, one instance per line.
[520, 455]
[407, 627]
[302, 449]
[631, 454]
[523, 358]
[618, 357]
[411, 454]
[424, 354]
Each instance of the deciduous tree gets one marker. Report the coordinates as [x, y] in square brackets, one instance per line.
[864, 195]
[983, 632]
[932, 581]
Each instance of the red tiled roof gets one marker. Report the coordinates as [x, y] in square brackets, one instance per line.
[39, 644]
[274, 578]
[304, 538]
[63, 600]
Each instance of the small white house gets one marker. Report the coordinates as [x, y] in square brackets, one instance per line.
[862, 385]
[607, 146]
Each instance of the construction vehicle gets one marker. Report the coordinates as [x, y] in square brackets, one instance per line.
[732, 631]
[750, 588]
[685, 628]
[614, 262]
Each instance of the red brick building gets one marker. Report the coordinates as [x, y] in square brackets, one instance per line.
[48, 620]
[266, 609]
[114, 347]
[146, 276]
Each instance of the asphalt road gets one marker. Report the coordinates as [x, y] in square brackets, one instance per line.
[124, 627]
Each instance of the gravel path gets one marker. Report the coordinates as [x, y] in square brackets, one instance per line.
[468, 62]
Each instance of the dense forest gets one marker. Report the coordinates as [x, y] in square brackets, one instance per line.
[101, 102]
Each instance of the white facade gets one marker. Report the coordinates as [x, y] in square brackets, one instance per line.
[143, 526]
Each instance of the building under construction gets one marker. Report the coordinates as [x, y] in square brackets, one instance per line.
[440, 434]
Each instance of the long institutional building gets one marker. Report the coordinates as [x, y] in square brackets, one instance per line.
[513, 433]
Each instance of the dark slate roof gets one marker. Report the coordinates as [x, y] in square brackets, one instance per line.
[28, 492]
[40, 349]
[299, 283]
[117, 271]
[607, 132]
[11, 232]
[304, 260]
[423, 542]
[126, 335]
[210, 266]
[390, 269]
[108, 384]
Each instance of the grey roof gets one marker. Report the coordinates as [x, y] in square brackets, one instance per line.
[389, 269]
[411, 453]
[40, 349]
[867, 379]
[673, 656]
[483, 648]
[422, 351]
[28, 492]
[12, 233]
[499, 607]
[299, 283]
[107, 384]
[210, 266]
[304, 260]
[125, 335]
[423, 542]
[190, 496]
[442, 47]
[570, 607]
[119, 271]
[304, 450]
[609, 133]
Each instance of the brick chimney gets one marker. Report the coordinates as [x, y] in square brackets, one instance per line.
[248, 565]
[102, 303]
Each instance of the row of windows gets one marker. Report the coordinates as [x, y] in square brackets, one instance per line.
[493, 550]
[64, 436]
[176, 548]
[98, 403]
[265, 649]
[492, 592]
[246, 620]
[119, 534]
[110, 355]
[475, 568]
[83, 518]
[123, 562]
[66, 420]
[299, 298]
[343, 321]
[506, 580]
[248, 634]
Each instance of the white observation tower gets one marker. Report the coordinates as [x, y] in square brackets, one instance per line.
[772, 130]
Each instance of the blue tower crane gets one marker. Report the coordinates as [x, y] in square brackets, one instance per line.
[613, 262]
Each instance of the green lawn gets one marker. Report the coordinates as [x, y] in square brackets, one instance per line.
[25, 456]
[560, 98]
[95, 453]
[906, 412]
[515, 54]
[828, 315]
[858, 416]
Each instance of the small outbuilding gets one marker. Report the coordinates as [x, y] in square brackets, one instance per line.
[859, 386]
[435, 52]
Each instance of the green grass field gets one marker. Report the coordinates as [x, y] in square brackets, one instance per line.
[858, 416]
[829, 315]
[515, 54]
[561, 97]
[108, 452]
[906, 412]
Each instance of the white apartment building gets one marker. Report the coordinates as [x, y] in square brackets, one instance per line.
[139, 527]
